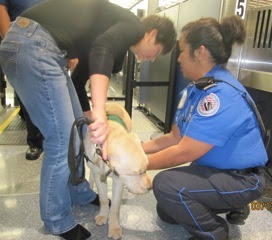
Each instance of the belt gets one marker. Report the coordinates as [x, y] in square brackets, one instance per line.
[255, 170]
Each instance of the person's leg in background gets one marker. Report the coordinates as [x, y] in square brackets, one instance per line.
[192, 196]
[34, 136]
[80, 77]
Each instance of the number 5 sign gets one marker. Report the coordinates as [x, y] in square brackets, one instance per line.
[240, 9]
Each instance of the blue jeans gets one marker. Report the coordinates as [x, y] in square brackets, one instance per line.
[36, 68]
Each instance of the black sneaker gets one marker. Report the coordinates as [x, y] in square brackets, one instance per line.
[33, 153]
[96, 201]
[238, 216]
[76, 233]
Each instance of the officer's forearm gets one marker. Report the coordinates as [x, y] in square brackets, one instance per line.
[159, 144]
[162, 142]
[169, 157]
[187, 150]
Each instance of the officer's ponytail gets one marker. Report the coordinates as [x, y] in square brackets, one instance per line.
[233, 31]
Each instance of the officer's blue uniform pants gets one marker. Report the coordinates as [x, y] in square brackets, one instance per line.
[192, 195]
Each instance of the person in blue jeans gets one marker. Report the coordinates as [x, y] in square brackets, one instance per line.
[34, 56]
[9, 10]
[217, 130]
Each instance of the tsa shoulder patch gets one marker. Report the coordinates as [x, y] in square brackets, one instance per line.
[208, 105]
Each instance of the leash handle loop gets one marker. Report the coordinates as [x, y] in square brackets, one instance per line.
[75, 162]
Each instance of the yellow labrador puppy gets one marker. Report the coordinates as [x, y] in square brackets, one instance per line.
[127, 164]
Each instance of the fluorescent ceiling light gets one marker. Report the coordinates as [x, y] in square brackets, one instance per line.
[130, 3]
[169, 3]
[124, 3]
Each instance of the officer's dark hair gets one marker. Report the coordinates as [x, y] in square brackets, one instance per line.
[166, 35]
[217, 37]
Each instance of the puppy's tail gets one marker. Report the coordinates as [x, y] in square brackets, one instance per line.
[118, 110]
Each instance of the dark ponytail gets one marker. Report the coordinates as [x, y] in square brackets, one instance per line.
[233, 31]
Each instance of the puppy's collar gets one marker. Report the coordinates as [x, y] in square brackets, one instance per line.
[103, 178]
[117, 119]
[133, 174]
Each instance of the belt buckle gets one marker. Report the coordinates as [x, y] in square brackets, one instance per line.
[23, 22]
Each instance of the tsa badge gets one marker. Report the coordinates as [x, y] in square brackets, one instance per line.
[183, 99]
[208, 105]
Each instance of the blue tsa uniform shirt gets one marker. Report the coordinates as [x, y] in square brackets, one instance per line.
[222, 117]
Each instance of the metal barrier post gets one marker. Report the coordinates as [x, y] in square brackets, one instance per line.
[129, 84]
[171, 90]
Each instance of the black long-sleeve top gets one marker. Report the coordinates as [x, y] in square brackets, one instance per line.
[89, 29]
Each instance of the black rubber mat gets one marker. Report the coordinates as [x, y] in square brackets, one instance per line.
[15, 133]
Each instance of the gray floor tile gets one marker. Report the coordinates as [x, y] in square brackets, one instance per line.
[17, 175]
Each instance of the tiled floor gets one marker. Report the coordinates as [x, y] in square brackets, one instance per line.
[19, 204]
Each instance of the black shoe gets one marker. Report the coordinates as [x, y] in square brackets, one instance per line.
[76, 233]
[33, 153]
[165, 217]
[96, 201]
[238, 216]
[21, 114]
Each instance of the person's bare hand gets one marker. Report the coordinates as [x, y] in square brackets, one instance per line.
[99, 130]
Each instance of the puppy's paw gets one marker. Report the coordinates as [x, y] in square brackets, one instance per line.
[100, 220]
[115, 232]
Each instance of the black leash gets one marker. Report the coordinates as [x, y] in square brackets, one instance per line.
[77, 161]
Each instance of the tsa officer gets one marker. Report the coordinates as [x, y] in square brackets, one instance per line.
[216, 130]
